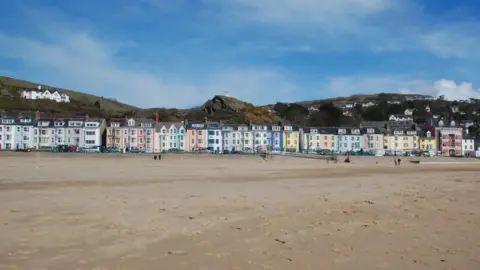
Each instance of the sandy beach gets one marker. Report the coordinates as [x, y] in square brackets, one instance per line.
[74, 211]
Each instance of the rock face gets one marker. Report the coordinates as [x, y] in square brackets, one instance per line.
[222, 103]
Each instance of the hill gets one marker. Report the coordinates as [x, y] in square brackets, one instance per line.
[325, 112]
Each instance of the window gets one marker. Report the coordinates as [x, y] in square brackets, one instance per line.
[246, 141]
[181, 144]
[141, 140]
[199, 140]
[90, 133]
[117, 140]
[148, 140]
[8, 129]
[170, 145]
[193, 141]
[133, 140]
[288, 141]
[216, 141]
[200, 132]
[257, 142]
[345, 145]
[25, 129]
[148, 132]
[25, 138]
[217, 133]
[133, 132]
[59, 131]
[89, 142]
[18, 129]
[141, 132]
[193, 132]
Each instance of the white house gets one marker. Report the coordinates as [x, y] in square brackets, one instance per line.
[399, 118]
[38, 93]
[408, 112]
[368, 104]
[261, 137]
[468, 145]
[93, 132]
[350, 105]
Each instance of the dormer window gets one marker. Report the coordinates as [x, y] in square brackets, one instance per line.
[314, 131]
[370, 130]
[342, 131]
[288, 128]
[429, 134]
[115, 124]
[131, 122]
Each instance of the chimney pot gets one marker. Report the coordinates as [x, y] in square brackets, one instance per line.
[157, 117]
[19, 114]
[86, 117]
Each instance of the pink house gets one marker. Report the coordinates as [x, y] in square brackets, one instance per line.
[196, 136]
[449, 138]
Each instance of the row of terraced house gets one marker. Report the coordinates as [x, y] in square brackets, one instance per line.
[155, 136]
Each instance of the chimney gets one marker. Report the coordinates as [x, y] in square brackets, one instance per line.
[86, 117]
[20, 115]
[157, 118]
[37, 115]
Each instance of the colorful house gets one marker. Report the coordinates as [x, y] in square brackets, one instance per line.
[405, 140]
[373, 139]
[277, 138]
[125, 134]
[214, 137]
[291, 139]
[449, 138]
[196, 136]
[427, 141]
[261, 137]
[350, 140]
[170, 137]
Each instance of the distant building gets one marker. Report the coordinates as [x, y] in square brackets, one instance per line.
[468, 145]
[400, 118]
[39, 93]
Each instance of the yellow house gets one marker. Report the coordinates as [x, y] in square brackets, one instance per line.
[291, 139]
[401, 140]
[427, 142]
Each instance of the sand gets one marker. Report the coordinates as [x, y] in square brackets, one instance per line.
[76, 211]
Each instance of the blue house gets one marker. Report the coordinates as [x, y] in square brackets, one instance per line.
[214, 137]
[276, 138]
[350, 140]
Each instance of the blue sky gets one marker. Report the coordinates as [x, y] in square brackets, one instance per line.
[179, 53]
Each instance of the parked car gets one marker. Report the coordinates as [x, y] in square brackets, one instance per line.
[112, 149]
[92, 149]
[136, 150]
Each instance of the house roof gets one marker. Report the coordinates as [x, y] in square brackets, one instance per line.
[167, 125]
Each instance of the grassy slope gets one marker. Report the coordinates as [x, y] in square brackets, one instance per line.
[80, 99]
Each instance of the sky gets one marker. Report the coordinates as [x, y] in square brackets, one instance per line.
[179, 53]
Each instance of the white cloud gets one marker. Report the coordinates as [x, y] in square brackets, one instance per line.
[78, 61]
[400, 84]
[448, 88]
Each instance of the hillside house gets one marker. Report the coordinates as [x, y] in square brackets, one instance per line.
[39, 93]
